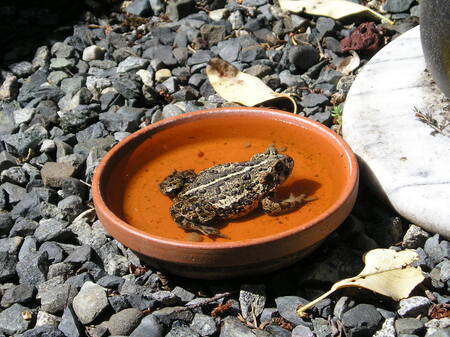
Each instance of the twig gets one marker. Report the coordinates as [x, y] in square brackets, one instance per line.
[206, 301]
[428, 119]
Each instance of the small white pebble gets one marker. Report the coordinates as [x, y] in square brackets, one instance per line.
[93, 53]
[48, 145]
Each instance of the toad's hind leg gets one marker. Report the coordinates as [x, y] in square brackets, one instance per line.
[273, 207]
[195, 215]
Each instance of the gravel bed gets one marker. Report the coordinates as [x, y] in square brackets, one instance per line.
[110, 74]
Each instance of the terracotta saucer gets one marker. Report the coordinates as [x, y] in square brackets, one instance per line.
[133, 210]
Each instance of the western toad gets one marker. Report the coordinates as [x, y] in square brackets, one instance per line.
[228, 191]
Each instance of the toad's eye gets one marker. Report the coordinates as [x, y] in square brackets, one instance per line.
[279, 166]
[268, 178]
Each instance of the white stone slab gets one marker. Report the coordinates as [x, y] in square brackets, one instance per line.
[408, 164]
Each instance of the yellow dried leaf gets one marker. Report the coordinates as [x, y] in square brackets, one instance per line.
[236, 86]
[386, 272]
[336, 9]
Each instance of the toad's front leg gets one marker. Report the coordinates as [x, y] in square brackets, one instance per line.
[174, 182]
[273, 207]
[193, 214]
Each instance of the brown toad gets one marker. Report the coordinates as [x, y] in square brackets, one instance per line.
[229, 191]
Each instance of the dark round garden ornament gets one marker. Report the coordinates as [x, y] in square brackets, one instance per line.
[134, 211]
[435, 37]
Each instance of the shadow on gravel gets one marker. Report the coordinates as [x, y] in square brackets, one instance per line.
[28, 24]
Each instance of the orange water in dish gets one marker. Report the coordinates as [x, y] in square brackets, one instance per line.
[317, 172]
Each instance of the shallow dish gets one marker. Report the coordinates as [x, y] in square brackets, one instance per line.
[132, 209]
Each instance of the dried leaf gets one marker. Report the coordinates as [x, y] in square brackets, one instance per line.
[236, 86]
[386, 272]
[349, 64]
[221, 309]
[336, 9]
[440, 310]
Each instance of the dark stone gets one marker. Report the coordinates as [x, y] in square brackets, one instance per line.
[7, 266]
[21, 293]
[33, 269]
[96, 271]
[12, 321]
[252, 299]
[6, 223]
[433, 249]
[332, 44]
[111, 281]
[321, 327]
[77, 281]
[20, 143]
[70, 325]
[342, 305]
[201, 56]
[178, 9]
[397, 6]
[14, 193]
[80, 255]
[312, 100]
[28, 207]
[182, 331]
[124, 322]
[213, 33]
[71, 206]
[229, 49]
[29, 246]
[21, 69]
[52, 229]
[79, 118]
[11, 245]
[325, 25]
[414, 306]
[204, 325]
[409, 326]
[55, 298]
[149, 327]
[268, 313]
[232, 327]
[125, 119]
[278, 331]
[127, 85]
[7, 160]
[54, 251]
[161, 53]
[362, 320]
[118, 302]
[169, 314]
[73, 186]
[43, 331]
[166, 298]
[139, 8]
[287, 306]
[415, 237]
[303, 57]
[252, 53]
[183, 294]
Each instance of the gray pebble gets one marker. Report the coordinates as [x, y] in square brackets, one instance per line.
[124, 322]
[413, 306]
[90, 302]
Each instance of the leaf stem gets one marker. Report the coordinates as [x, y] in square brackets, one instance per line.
[301, 310]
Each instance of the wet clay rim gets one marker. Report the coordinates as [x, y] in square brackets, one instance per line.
[235, 252]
